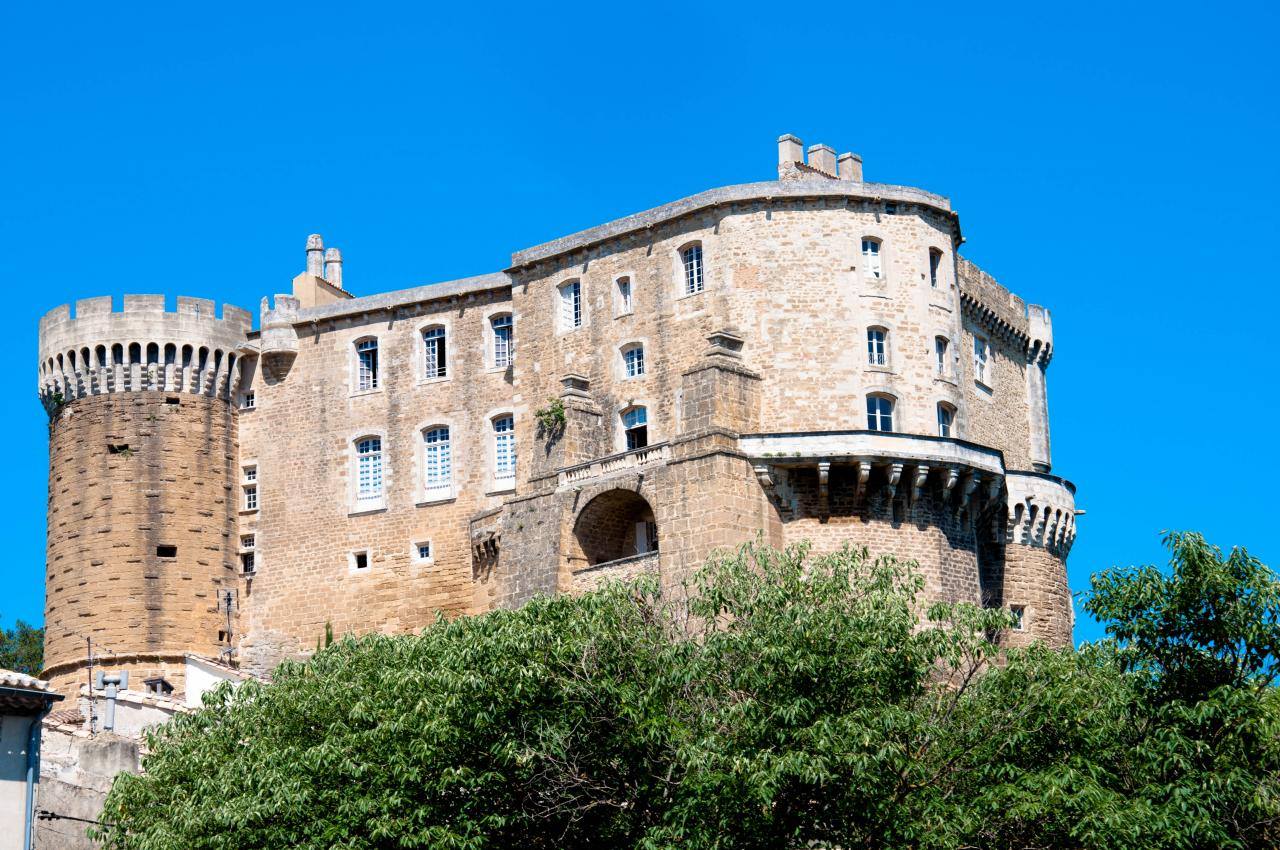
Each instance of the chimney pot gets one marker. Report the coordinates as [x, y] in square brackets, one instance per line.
[850, 167]
[333, 267]
[823, 158]
[315, 255]
[790, 149]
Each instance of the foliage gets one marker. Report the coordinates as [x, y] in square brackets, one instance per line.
[22, 648]
[551, 419]
[793, 701]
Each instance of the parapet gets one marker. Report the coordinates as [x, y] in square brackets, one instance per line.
[1042, 511]
[96, 349]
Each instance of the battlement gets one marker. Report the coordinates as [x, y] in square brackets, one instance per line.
[1042, 511]
[96, 349]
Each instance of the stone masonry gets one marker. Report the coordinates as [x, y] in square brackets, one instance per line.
[800, 359]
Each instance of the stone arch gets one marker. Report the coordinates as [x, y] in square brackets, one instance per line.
[616, 524]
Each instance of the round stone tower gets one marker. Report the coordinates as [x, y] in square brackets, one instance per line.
[141, 544]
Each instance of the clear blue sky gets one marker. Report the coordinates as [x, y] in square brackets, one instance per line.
[1116, 163]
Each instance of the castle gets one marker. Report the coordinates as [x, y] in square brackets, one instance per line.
[806, 358]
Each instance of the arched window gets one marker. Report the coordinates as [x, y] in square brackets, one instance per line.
[504, 447]
[946, 420]
[570, 305]
[633, 360]
[434, 345]
[877, 347]
[153, 354]
[117, 354]
[368, 471]
[437, 464]
[624, 295]
[691, 261]
[635, 425]
[981, 356]
[504, 346]
[935, 260]
[135, 353]
[366, 364]
[879, 413]
[940, 347]
[871, 257]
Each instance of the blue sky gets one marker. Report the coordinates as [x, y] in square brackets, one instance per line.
[1116, 163]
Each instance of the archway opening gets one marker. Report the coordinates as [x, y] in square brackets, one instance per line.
[614, 525]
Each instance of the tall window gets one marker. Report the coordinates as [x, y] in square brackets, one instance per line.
[504, 347]
[935, 260]
[940, 346]
[368, 469]
[624, 295]
[871, 258]
[433, 344]
[504, 447]
[367, 364]
[691, 259]
[946, 419]
[879, 413]
[981, 356]
[876, 355]
[251, 497]
[571, 305]
[635, 424]
[633, 360]
[436, 462]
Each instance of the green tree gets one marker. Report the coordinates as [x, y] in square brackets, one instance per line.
[22, 648]
[794, 702]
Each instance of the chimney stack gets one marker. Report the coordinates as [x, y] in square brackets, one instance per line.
[333, 267]
[790, 150]
[851, 167]
[315, 255]
[823, 158]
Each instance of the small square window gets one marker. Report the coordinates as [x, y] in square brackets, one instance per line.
[166, 550]
[248, 541]
[422, 551]
[119, 449]
[251, 473]
[157, 687]
[250, 401]
[359, 561]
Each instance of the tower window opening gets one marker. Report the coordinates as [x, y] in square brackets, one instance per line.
[166, 550]
[871, 258]
[879, 413]
[691, 259]
[935, 260]
[359, 560]
[946, 420]
[876, 348]
[119, 449]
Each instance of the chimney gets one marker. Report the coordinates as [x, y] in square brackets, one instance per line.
[851, 167]
[823, 158]
[333, 267]
[315, 255]
[790, 153]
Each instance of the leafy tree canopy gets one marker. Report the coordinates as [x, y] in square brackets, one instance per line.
[794, 702]
[22, 648]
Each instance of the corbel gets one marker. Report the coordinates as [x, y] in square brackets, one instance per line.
[864, 474]
[921, 476]
[895, 475]
[824, 475]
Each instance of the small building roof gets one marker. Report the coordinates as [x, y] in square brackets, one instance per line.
[23, 694]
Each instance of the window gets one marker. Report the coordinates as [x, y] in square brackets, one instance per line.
[691, 259]
[935, 260]
[251, 473]
[504, 447]
[646, 537]
[422, 551]
[981, 354]
[624, 295]
[435, 364]
[166, 550]
[871, 258]
[571, 305]
[249, 402]
[879, 413]
[248, 541]
[251, 497]
[633, 360]
[876, 355]
[358, 561]
[946, 419]
[247, 562]
[368, 470]
[1019, 613]
[367, 364]
[940, 346]
[504, 348]
[635, 425]
[437, 463]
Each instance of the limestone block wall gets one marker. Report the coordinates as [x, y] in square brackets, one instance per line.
[301, 446]
[130, 474]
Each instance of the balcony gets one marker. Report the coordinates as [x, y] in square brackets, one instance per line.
[623, 462]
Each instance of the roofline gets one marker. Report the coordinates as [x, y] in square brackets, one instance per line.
[401, 297]
[743, 192]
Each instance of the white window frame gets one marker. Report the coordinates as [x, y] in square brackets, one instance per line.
[439, 487]
[633, 363]
[626, 429]
[352, 561]
[430, 353]
[935, 267]
[872, 258]
[941, 355]
[248, 400]
[365, 378]
[249, 485]
[250, 497]
[572, 309]
[981, 359]
[505, 461]
[372, 498]
[502, 357]
[415, 553]
[879, 415]
[624, 293]
[949, 426]
[878, 346]
[692, 263]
